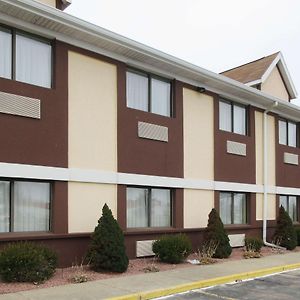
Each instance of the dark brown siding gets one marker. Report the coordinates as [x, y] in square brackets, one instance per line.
[143, 156]
[45, 141]
[230, 167]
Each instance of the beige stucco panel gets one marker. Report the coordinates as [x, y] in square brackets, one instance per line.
[92, 113]
[197, 206]
[274, 85]
[48, 2]
[85, 204]
[271, 215]
[259, 149]
[198, 127]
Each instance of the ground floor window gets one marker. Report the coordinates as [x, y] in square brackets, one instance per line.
[148, 207]
[24, 206]
[233, 208]
[289, 203]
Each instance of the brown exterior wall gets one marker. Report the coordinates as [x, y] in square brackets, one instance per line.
[230, 167]
[39, 142]
[143, 156]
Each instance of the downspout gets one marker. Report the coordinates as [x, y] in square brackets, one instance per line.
[265, 167]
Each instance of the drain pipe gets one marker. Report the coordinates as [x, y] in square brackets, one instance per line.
[265, 166]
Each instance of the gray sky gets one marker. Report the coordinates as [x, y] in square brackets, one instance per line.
[214, 34]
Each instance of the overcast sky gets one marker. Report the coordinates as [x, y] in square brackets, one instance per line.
[214, 34]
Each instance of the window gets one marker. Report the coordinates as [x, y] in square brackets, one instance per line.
[289, 203]
[232, 117]
[148, 207]
[25, 58]
[233, 208]
[287, 133]
[24, 206]
[148, 93]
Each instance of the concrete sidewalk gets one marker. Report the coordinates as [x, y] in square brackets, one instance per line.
[151, 285]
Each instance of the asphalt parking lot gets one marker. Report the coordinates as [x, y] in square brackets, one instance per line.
[280, 286]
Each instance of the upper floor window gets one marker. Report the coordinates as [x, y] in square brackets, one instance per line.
[148, 207]
[24, 206]
[287, 133]
[232, 117]
[289, 203]
[148, 93]
[233, 208]
[25, 58]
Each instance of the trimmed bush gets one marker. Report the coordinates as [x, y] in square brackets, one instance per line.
[298, 236]
[107, 250]
[285, 233]
[172, 249]
[253, 244]
[215, 232]
[27, 262]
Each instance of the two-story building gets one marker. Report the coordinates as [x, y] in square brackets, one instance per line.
[89, 117]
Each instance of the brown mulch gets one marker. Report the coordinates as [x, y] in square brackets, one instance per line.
[136, 266]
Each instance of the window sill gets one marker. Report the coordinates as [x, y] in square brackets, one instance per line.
[237, 226]
[42, 235]
[153, 230]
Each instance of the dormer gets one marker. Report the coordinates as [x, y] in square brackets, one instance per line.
[268, 74]
[60, 4]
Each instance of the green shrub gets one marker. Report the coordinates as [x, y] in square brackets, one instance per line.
[285, 233]
[107, 250]
[172, 249]
[253, 244]
[215, 232]
[298, 236]
[27, 262]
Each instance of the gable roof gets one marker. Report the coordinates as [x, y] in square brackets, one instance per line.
[257, 72]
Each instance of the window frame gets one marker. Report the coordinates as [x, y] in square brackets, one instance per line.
[11, 203]
[232, 208]
[151, 76]
[232, 104]
[149, 188]
[287, 122]
[14, 32]
[288, 204]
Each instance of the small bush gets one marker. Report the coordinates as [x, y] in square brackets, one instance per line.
[298, 236]
[172, 248]
[207, 251]
[253, 244]
[285, 231]
[215, 232]
[27, 262]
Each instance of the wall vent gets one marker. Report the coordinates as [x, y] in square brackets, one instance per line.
[19, 105]
[153, 132]
[290, 158]
[144, 248]
[236, 148]
[237, 240]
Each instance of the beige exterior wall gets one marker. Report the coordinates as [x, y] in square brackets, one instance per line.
[92, 113]
[271, 215]
[85, 204]
[259, 149]
[198, 127]
[197, 206]
[274, 85]
[48, 2]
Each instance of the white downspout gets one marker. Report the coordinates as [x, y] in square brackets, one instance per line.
[265, 166]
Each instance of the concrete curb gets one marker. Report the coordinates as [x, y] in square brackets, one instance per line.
[206, 283]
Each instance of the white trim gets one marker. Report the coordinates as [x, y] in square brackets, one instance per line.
[104, 177]
[254, 82]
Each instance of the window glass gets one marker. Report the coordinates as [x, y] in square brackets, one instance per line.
[160, 97]
[225, 116]
[6, 54]
[4, 206]
[137, 207]
[160, 208]
[33, 61]
[293, 208]
[283, 202]
[137, 91]
[239, 120]
[225, 207]
[292, 134]
[282, 132]
[31, 206]
[239, 209]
